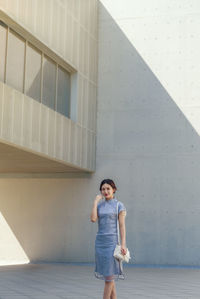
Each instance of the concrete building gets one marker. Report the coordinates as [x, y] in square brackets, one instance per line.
[66, 124]
[48, 93]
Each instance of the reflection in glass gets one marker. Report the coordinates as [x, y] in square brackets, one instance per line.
[49, 83]
[63, 92]
[33, 73]
[29, 70]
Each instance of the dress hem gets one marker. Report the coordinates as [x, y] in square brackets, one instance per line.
[115, 277]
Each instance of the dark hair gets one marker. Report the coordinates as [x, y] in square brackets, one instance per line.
[109, 182]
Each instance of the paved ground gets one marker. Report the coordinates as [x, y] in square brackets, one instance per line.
[62, 281]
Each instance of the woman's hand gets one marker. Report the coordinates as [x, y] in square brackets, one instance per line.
[123, 249]
[98, 198]
[94, 216]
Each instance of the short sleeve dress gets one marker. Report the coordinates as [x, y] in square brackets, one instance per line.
[106, 266]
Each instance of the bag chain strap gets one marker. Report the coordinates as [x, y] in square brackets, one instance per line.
[118, 226]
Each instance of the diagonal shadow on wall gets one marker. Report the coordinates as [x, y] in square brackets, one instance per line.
[148, 145]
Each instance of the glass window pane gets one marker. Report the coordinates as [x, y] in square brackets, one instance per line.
[15, 61]
[3, 31]
[63, 92]
[33, 73]
[49, 83]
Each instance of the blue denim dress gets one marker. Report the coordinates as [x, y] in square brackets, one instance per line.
[106, 266]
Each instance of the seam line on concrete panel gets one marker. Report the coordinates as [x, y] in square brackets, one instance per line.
[81, 25]
[153, 16]
[52, 175]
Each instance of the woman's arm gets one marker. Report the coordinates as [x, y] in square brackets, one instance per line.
[122, 229]
[94, 216]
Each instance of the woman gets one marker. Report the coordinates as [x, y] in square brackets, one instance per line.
[105, 210]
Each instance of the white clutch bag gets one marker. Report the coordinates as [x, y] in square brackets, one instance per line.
[118, 255]
[117, 252]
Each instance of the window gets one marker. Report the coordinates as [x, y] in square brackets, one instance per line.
[49, 83]
[32, 72]
[15, 61]
[3, 32]
[63, 92]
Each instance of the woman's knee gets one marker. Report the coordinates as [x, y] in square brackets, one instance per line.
[110, 283]
[109, 279]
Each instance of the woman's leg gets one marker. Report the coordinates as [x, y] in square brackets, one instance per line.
[113, 293]
[108, 289]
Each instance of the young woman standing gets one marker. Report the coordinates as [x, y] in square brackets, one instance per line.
[105, 211]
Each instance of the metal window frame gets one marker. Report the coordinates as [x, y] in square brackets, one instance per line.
[31, 40]
[69, 104]
[17, 35]
[28, 44]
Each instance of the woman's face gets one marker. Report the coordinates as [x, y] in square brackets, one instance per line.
[107, 191]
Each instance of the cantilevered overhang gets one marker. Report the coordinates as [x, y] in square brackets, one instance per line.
[37, 139]
[15, 160]
[33, 137]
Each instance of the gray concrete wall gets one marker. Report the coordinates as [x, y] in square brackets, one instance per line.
[45, 220]
[147, 141]
[148, 123]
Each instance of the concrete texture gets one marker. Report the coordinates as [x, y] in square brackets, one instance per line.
[42, 220]
[62, 281]
[148, 123]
